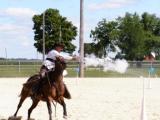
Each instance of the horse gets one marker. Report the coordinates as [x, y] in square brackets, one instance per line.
[53, 82]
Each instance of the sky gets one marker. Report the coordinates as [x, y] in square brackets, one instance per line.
[17, 36]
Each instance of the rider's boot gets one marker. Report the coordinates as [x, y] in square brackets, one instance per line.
[37, 89]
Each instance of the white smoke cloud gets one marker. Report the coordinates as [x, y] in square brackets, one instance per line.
[91, 60]
[107, 63]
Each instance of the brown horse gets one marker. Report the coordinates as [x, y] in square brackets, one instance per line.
[53, 82]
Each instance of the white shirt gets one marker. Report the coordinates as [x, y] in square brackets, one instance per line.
[52, 55]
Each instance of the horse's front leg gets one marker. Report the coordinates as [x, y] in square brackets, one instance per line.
[55, 108]
[49, 109]
[61, 102]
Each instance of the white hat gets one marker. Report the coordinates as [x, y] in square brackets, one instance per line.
[153, 54]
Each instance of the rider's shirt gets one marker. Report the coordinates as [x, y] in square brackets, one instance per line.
[52, 55]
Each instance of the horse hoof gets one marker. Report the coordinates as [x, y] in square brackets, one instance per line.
[31, 119]
[65, 116]
[15, 118]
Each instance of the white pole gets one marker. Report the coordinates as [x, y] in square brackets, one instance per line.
[43, 35]
[60, 34]
[6, 55]
[149, 83]
[149, 80]
[77, 74]
[143, 109]
[81, 39]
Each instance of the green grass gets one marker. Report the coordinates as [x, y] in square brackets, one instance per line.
[131, 72]
[26, 69]
[14, 72]
[18, 71]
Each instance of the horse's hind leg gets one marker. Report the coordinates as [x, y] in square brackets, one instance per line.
[61, 102]
[34, 104]
[49, 109]
[20, 104]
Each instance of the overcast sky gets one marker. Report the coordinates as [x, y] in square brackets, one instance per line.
[16, 34]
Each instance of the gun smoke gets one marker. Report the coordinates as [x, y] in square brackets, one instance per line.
[108, 64]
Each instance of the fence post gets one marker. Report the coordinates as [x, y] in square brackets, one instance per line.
[19, 66]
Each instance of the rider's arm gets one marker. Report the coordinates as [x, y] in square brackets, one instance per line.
[54, 54]
[68, 57]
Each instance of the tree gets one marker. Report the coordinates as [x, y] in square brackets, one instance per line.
[135, 35]
[151, 25]
[57, 29]
[89, 48]
[149, 21]
[104, 36]
[131, 39]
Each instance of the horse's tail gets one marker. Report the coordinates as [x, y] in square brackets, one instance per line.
[27, 87]
[67, 93]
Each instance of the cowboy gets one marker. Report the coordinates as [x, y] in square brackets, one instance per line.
[49, 63]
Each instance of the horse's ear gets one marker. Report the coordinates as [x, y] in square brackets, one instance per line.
[59, 58]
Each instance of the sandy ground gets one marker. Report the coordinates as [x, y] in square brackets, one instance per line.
[92, 99]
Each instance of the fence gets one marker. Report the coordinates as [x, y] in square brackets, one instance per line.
[26, 68]
[19, 68]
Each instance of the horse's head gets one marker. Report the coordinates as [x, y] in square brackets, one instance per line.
[60, 64]
[56, 75]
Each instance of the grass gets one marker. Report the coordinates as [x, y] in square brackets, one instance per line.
[72, 73]
[131, 72]
[26, 69]
[16, 71]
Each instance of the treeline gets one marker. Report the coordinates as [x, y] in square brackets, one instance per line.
[1, 58]
[133, 36]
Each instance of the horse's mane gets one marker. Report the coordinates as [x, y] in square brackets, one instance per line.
[58, 72]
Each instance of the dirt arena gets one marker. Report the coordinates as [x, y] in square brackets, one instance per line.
[92, 99]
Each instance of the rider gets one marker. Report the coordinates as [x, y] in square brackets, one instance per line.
[49, 63]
